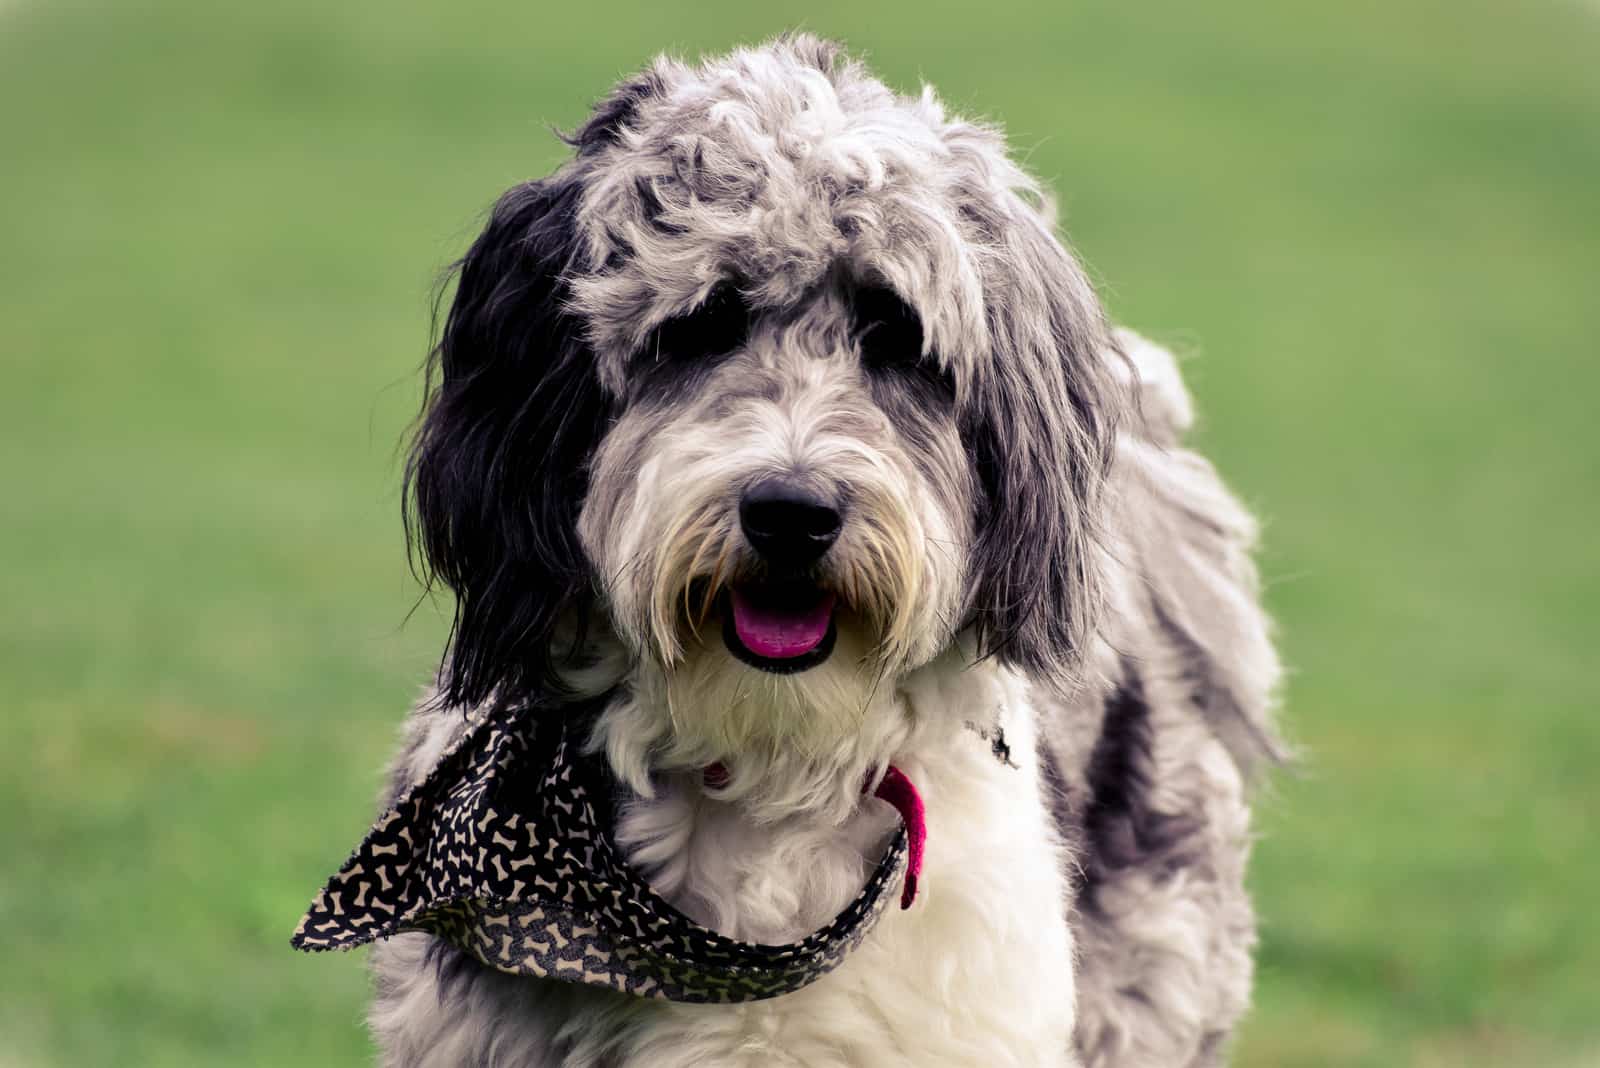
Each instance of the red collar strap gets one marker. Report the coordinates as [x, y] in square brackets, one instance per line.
[894, 788]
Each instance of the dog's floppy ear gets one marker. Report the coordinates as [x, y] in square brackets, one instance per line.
[1040, 428]
[496, 473]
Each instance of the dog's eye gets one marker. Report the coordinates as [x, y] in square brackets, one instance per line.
[888, 331]
[717, 326]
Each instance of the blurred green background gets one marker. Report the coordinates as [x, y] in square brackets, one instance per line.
[1375, 225]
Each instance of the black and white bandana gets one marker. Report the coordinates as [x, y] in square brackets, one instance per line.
[505, 850]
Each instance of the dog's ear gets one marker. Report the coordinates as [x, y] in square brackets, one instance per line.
[1040, 426]
[496, 473]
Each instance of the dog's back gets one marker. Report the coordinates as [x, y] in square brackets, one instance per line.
[1154, 760]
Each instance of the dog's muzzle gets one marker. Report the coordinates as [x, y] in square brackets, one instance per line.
[783, 623]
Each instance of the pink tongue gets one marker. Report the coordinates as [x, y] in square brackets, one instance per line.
[781, 633]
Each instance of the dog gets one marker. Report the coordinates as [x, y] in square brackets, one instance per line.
[778, 432]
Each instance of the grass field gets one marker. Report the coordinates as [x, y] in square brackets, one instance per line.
[1377, 226]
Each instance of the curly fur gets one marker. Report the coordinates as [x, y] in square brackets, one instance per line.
[770, 264]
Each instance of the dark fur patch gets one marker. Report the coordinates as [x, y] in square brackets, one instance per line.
[611, 115]
[1120, 828]
[1040, 425]
[451, 966]
[888, 332]
[497, 471]
[715, 327]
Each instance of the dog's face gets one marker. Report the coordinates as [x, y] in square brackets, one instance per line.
[784, 383]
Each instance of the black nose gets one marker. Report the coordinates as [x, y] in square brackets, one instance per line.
[789, 525]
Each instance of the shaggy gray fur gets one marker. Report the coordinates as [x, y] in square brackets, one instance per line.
[1102, 559]
[1154, 790]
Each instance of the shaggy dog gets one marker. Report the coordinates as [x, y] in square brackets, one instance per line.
[778, 426]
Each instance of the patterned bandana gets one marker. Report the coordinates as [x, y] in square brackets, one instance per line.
[505, 851]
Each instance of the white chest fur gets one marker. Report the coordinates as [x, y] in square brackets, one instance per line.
[977, 972]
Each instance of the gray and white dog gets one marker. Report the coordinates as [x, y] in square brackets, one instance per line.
[779, 418]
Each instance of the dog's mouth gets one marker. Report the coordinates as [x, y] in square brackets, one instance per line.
[780, 626]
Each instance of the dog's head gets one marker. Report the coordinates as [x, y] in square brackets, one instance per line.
[782, 384]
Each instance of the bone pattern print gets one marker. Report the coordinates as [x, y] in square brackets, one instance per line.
[502, 852]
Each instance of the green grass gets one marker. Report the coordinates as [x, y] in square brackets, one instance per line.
[1377, 224]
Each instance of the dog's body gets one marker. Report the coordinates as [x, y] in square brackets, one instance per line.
[1011, 583]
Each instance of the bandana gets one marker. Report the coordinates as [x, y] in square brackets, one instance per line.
[505, 851]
